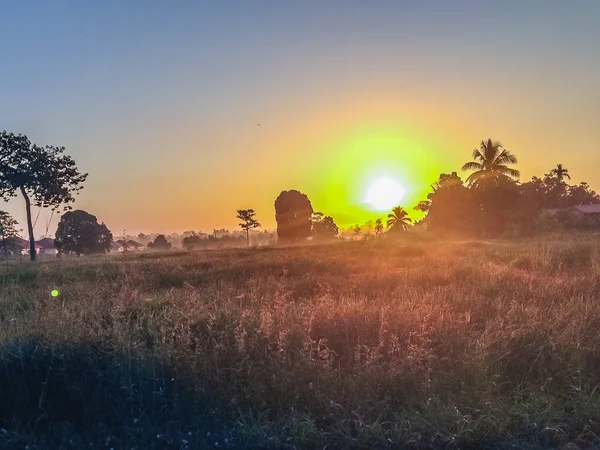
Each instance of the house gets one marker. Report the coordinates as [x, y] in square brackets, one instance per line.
[126, 246]
[45, 246]
[588, 215]
[134, 246]
[587, 210]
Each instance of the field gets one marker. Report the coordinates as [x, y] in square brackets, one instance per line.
[415, 343]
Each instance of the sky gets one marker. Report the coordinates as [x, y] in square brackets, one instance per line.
[183, 112]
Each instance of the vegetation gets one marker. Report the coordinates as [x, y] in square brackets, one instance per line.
[44, 175]
[160, 243]
[248, 222]
[378, 227]
[423, 344]
[8, 230]
[493, 204]
[491, 163]
[293, 212]
[323, 227]
[80, 233]
[398, 219]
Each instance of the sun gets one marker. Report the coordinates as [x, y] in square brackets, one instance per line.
[384, 193]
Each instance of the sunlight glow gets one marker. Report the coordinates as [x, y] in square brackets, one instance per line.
[384, 194]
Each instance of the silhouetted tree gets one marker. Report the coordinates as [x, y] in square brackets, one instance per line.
[582, 194]
[43, 175]
[292, 213]
[491, 162]
[160, 243]
[398, 219]
[192, 241]
[7, 229]
[451, 206]
[356, 229]
[79, 232]
[378, 227]
[323, 227]
[559, 172]
[248, 222]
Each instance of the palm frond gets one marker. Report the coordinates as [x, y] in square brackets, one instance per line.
[476, 176]
[508, 171]
[477, 154]
[472, 165]
[506, 157]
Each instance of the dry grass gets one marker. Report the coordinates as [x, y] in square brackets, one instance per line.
[426, 344]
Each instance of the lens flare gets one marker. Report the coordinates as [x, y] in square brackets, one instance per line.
[54, 293]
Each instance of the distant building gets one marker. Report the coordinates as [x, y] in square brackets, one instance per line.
[45, 247]
[126, 246]
[587, 210]
[588, 215]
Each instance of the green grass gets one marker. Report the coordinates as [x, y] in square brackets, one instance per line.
[416, 343]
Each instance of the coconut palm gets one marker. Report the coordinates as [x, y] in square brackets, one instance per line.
[559, 172]
[398, 218]
[491, 163]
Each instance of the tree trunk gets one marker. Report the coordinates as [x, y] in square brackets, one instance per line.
[5, 249]
[248, 238]
[32, 253]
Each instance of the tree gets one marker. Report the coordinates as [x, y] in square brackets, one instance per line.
[248, 222]
[160, 243]
[559, 172]
[293, 212]
[323, 227]
[44, 176]
[378, 227]
[451, 206]
[356, 229]
[192, 241]
[491, 162]
[7, 229]
[79, 232]
[398, 219]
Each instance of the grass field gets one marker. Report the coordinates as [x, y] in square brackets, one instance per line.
[407, 344]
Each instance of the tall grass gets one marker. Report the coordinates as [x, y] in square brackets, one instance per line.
[362, 345]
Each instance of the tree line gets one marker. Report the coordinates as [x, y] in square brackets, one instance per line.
[490, 202]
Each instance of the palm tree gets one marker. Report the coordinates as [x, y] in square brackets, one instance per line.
[491, 163]
[378, 227]
[398, 218]
[559, 172]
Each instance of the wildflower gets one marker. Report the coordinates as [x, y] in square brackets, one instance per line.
[208, 434]
[216, 444]
[135, 420]
[331, 403]
[226, 441]
[158, 436]
[3, 430]
[189, 433]
[310, 385]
